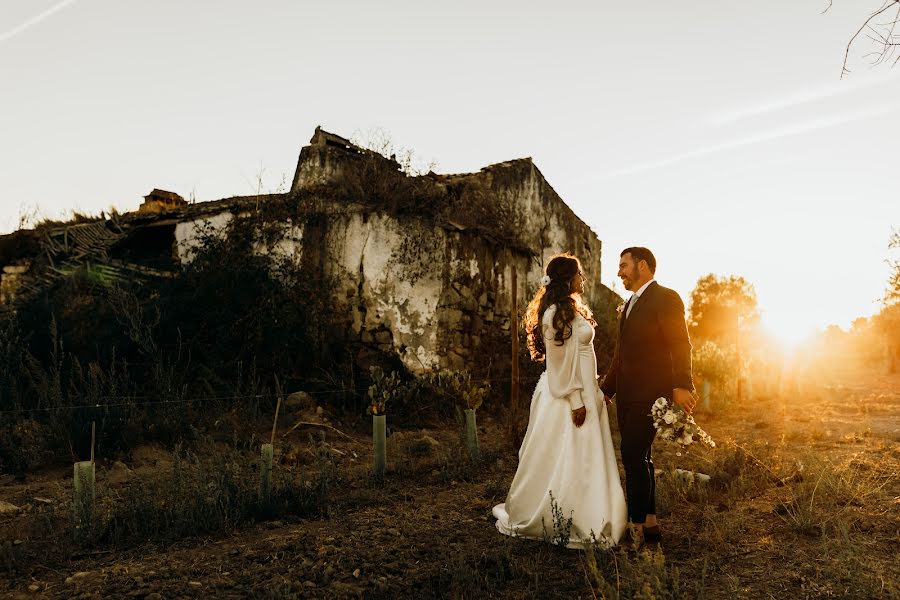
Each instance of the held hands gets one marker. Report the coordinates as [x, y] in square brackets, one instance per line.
[578, 416]
[684, 399]
[606, 398]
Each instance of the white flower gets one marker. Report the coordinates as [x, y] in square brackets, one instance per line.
[545, 280]
[677, 427]
[620, 308]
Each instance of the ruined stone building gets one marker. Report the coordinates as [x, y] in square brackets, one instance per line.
[422, 265]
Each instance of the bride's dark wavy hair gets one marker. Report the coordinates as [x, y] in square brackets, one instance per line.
[562, 270]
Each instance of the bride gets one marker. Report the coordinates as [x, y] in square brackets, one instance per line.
[567, 450]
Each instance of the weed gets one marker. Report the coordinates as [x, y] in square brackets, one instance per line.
[645, 575]
[562, 526]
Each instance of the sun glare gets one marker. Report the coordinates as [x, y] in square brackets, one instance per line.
[788, 331]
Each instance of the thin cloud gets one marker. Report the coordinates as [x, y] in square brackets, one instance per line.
[796, 99]
[764, 136]
[35, 20]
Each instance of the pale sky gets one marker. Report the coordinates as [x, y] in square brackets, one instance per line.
[716, 133]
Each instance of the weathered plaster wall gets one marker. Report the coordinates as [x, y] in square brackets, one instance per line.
[189, 234]
[390, 278]
[544, 225]
[428, 293]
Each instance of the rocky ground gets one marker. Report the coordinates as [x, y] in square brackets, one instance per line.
[804, 503]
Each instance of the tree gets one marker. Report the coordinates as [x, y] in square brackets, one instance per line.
[887, 321]
[893, 289]
[721, 306]
[880, 29]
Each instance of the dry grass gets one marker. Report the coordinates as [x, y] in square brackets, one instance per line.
[789, 513]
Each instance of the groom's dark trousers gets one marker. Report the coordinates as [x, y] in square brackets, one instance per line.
[637, 432]
[652, 357]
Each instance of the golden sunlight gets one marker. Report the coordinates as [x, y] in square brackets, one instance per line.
[789, 331]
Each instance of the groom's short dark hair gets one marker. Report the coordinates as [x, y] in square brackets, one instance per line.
[639, 253]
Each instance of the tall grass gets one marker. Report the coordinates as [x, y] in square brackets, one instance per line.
[189, 498]
[828, 496]
[645, 575]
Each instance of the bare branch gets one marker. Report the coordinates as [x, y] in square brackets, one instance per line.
[886, 42]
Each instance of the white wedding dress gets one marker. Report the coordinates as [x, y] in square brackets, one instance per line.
[576, 464]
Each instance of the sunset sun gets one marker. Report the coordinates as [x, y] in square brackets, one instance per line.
[789, 331]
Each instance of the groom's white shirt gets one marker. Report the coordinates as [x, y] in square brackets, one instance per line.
[634, 297]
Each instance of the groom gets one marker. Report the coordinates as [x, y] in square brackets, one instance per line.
[652, 360]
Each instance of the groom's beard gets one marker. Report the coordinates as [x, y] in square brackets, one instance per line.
[630, 279]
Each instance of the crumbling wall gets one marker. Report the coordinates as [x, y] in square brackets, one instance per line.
[433, 286]
[428, 293]
[542, 223]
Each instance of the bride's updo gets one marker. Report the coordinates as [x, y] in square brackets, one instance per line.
[562, 291]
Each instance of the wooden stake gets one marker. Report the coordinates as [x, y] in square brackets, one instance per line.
[514, 335]
[277, 408]
[472, 435]
[93, 438]
[275, 423]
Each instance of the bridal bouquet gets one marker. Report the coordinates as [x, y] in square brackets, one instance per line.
[675, 425]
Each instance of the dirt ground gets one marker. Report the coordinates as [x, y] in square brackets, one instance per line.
[427, 530]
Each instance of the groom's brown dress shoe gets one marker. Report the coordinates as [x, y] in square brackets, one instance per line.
[652, 535]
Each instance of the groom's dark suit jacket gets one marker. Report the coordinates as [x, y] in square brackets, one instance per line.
[653, 350]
